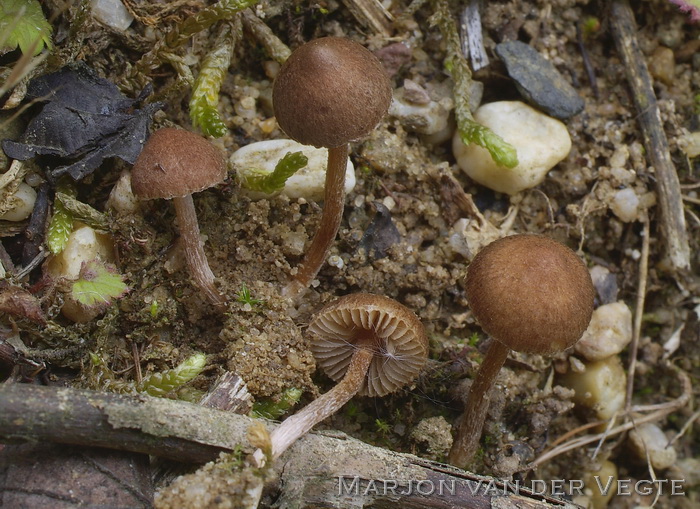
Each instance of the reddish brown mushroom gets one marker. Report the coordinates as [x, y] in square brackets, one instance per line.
[329, 92]
[174, 164]
[530, 294]
[371, 345]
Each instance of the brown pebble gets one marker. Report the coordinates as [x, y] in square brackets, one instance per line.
[662, 65]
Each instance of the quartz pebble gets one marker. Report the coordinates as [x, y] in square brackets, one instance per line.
[22, 204]
[601, 387]
[308, 183]
[84, 245]
[649, 438]
[121, 198]
[112, 13]
[625, 205]
[541, 143]
[605, 284]
[691, 144]
[609, 332]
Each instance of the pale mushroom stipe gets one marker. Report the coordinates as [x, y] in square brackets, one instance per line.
[329, 92]
[531, 294]
[370, 344]
[172, 165]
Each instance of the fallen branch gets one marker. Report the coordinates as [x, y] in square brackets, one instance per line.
[319, 470]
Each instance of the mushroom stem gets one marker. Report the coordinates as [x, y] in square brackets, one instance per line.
[300, 423]
[472, 420]
[194, 252]
[333, 202]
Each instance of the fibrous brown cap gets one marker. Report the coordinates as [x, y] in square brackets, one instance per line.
[175, 163]
[531, 293]
[329, 92]
[401, 344]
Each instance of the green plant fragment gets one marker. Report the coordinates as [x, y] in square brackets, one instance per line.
[159, 384]
[223, 10]
[244, 297]
[60, 228]
[98, 286]
[270, 183]
[205, 94]
[82, 211]
[274, 408]
[22, 23]
[470, 131]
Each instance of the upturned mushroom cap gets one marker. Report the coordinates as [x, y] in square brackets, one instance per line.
[175, 163]
[329, 92]
[531, 293]
[401, 346]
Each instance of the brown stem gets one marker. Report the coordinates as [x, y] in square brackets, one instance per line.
[472, 420]
[194, 251]
[333, 203]
[300, 423]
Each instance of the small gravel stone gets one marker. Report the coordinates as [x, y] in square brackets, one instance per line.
[662, 65]
[609, 332]
[649, 438]
[539, 81]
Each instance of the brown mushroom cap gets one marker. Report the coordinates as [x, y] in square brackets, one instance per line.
[329, 92]
[531, 293]
[401, 346]
[175, 163]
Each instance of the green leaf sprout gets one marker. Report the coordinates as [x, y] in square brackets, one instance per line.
[98, 286]
[60, 226]
[244, 297]
[159, 384]
[275, 408]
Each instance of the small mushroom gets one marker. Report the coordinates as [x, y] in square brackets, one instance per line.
[371, 345]
[530, 294]
[329, 92]
[174, 164]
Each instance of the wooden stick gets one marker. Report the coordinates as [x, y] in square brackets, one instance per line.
[318, 470]
[672, 220]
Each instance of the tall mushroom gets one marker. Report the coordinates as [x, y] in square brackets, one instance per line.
[329, 92]
[174, 164]
[370, 344]
[530, 294]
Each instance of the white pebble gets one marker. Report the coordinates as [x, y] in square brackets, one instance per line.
[112, 13]
[23, 204]
[625, 205]
[609, 332]
[121, 199]
[260, 158]
[691, 144]
[540, 141]
[600, 388]
[84, 244]
[428, 118]
[336, 261]
[648, 437]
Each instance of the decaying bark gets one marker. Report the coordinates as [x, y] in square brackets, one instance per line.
[672, 220]
[320, 470]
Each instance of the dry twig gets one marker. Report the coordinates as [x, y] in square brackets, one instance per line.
[672, 220]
